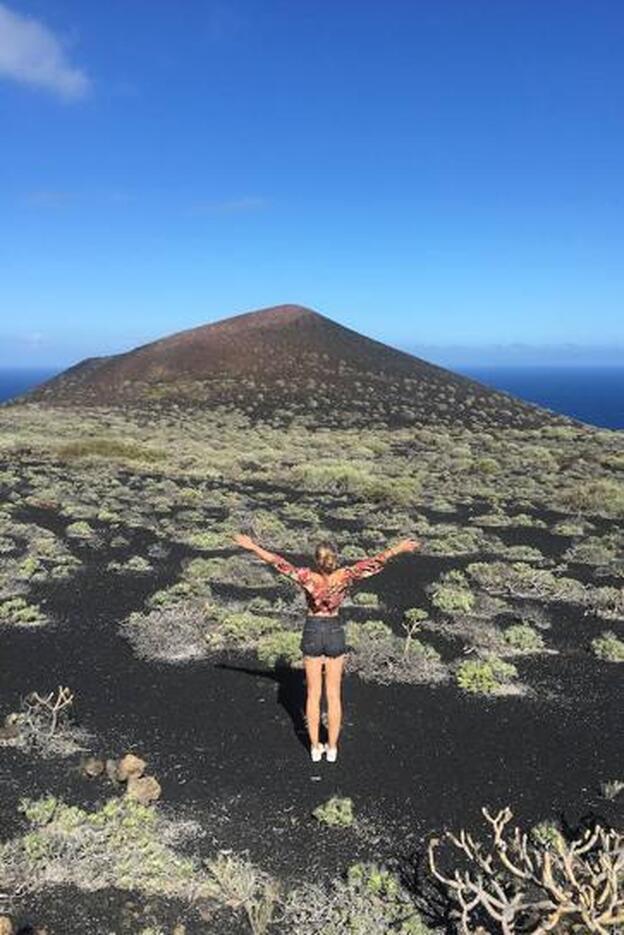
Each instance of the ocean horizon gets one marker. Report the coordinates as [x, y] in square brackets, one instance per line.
[592, 394]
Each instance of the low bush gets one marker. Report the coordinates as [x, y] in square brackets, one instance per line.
[19, 612]
[282, 646]
[604, 496]
[608, 646]
[366, 599]
[523, 637]
[336, 812]
[79, 530]
[607, 602]
[593, 551]
[44, 727]
[173, 632]
[380, 656]
[452, 594]
[484, 676]
[368, 900]
[240, 629]
[522, 580]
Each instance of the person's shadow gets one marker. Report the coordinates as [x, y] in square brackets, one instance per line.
[291, 693]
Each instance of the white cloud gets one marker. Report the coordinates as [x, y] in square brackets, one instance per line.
[32, 54]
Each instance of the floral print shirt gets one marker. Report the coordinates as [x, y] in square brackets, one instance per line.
[325, 594]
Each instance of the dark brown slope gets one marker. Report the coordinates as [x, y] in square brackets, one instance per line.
[284, 361]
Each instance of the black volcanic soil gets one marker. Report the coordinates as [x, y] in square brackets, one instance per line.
[226, 739]
[288, 361]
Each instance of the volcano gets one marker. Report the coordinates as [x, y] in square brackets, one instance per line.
[285, 361]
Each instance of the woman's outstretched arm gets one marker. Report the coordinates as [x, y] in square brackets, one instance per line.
[373, 564]
[280, 563]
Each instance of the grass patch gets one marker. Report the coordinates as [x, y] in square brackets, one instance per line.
[114, 448]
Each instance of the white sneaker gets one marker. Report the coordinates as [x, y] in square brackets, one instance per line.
[332, 754]
[317, 752]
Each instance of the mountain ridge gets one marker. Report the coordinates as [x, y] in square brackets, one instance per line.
[286, 360]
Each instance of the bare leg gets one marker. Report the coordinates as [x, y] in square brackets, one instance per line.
[314, 682]
[333, 688]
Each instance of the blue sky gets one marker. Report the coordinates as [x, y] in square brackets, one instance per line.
[437, 174]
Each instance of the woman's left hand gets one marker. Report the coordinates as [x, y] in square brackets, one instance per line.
[409, 545]
[245, 541]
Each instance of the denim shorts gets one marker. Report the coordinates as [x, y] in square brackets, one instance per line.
[323, 636]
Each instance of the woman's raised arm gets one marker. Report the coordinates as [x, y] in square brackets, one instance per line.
[373, 564]
[280, 563]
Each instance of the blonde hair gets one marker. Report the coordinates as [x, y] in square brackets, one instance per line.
[326, 557]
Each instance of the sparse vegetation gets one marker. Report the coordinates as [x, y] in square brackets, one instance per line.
[109, 448]
[43, 725]
[521, 523]
[336, 812]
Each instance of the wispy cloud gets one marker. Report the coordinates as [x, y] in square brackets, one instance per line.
[233, 206]
[48, 199]
[31, 54]
[53, 199]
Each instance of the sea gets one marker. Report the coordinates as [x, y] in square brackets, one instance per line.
[591, 394]
[588, 393]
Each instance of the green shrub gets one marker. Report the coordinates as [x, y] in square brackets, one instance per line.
[336, 812]
[451, 594]
[486, 465]
[569, 527]
[240, 629]
[453, 541]
[368, 900]
[608, 646]
[368, 631]
[79, 530]
[611, 788]
[381, 656]
[414, 615]
[519, 579]
[483, 676]
[604, 496]
[547, 834]
[18, 611]
[120, 844]
[366, 599]
[607, 602]
[283, 646]
[523, 553]
[522, 636]
[172, 595]
[207, 540]
[593, 551]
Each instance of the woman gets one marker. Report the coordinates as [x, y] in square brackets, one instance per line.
[323, 639]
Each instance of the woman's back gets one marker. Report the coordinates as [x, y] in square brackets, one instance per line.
[324, 593]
